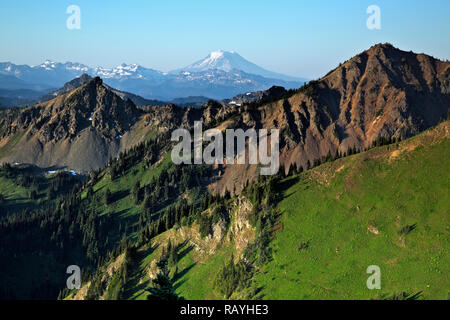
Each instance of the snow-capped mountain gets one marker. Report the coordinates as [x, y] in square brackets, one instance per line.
[51, 65]
[49, 74]
[125, 71]
[230, 60]
[220, 75]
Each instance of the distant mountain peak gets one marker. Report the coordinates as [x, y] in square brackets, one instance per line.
[48, 64]
[72, 66]
[129, 67]
[231, 60]
[221, 54]
[222, 60]
[221, 74]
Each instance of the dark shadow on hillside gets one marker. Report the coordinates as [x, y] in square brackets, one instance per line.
[136, 283]
[181, 274]
[148, 251]
[178, 284]
[99, 189]
[285, 196]
[286, 184]
[258, 294]
[135, 286]
[119, 195]
[401, 296]
[11, 207]
[283, 186]
[121, 220]
[184, 250]
[407, 229]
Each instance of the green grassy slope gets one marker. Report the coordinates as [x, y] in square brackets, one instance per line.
[124, 208]
[15, 197]
[15, 193]
[350, 213]
[194, 280]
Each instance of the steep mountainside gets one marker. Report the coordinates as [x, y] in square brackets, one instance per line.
[310, 234]
[382, 92]
[336, 220]
[81, 129]
[75, 83]
[386, 207]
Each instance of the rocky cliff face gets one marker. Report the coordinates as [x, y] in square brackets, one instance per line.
[380, 92]
[80, 129]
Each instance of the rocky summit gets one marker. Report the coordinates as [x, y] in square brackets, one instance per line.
[382, 92]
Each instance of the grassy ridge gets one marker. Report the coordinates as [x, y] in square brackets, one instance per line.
[350, 213]
[387, 207]
[15, 197]
[194, 280]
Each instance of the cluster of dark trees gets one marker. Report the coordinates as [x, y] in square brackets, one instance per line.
[382, 141]
[65, 233]
[162, 286]
[169, 185]
[50, 188]
[231, 277]
[114, 288]
[378, 142]
[264, 196]
[70, 231]
[309, 89]
[149, 150]
[183, 213]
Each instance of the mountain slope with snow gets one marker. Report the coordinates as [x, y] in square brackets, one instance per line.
[231, 60]
[221, 75]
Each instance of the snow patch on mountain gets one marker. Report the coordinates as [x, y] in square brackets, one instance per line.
[220, 75]
[231, 60]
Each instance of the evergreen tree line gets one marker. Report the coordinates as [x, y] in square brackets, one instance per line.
[296, 169]
[263, 194]
[149, 151]
[113, 288]
[162, 286]
[182, 213]
[232, 277]
[169, 185]
[52, 188]
[67, 233]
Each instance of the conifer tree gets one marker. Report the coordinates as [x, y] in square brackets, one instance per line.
[163, 289]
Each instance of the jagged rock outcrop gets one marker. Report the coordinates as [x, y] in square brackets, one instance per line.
[381, 92]
[80, 129]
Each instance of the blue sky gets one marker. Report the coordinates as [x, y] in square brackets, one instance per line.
[295, 37]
